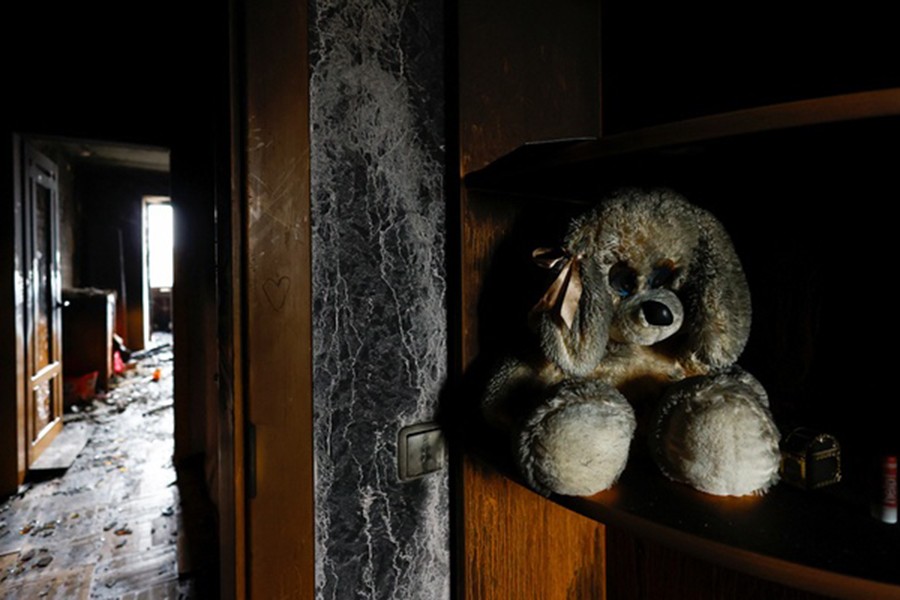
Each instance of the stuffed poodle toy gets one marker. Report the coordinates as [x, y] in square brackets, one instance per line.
[638, 331]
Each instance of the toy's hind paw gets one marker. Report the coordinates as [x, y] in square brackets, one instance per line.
[577, 442]
[716, 434]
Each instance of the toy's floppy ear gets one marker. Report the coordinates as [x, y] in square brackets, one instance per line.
[717, 298]
[572, 318]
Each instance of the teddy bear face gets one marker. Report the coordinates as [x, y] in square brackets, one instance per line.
[646, 260]
[646, 309]
[652, 268]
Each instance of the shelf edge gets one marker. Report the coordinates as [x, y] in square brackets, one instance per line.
[781, 571]
[845, 107]
[788, 115]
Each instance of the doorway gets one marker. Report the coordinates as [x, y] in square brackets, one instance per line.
[110, 520]
[159, 236]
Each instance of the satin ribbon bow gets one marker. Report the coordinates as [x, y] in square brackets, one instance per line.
[564, 293]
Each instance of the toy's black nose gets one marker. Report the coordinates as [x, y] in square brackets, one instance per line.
[657, 313]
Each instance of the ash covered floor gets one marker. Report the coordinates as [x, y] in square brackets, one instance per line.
[118, 523]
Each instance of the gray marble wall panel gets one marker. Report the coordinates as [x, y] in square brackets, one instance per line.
[379, 313]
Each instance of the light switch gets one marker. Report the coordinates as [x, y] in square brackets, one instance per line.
[421, 450]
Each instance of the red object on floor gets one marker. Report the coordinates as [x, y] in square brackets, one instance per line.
[80, 388]
[118, 363]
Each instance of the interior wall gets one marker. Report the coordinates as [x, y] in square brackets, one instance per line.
[379, 288]
[684, 60]
[69, 216]
[112, 202]
[195, 158]
[12, 341]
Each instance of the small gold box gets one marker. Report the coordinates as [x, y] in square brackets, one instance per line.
[810, 459]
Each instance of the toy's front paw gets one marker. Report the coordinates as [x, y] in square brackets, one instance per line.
[716, 434]
[577, 442]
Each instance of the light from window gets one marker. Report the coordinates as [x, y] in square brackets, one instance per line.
[160, 238]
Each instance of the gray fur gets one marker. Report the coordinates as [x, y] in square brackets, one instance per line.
[578, 351]
[577, 442]
[716, 434]
[664, 299]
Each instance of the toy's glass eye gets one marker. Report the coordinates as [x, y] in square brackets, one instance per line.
[622, 279]
[662, 275]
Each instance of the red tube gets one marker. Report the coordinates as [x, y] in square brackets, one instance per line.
[889, 493]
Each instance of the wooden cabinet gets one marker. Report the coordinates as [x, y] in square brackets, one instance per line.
[793, 184]
[803, 187]
[89, 321]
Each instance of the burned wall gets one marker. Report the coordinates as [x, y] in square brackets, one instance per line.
[69, 214]
[379, 279]
[69, 217]
[111, 234]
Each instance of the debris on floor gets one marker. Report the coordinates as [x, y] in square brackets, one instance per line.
[107, 526]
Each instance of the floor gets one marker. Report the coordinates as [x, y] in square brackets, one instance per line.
[115, 523]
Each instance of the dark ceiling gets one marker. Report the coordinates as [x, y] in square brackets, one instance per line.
[83, 152]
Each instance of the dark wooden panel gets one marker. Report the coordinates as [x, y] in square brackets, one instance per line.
[12, 307]
[230, 269]
[667, 62]
[519, 545]
[527, 71]
[643, 570]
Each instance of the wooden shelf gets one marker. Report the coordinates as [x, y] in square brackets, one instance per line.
[533, 159]
[823, 541]
[801, 188]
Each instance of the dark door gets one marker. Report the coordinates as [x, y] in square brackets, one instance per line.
[43, 363]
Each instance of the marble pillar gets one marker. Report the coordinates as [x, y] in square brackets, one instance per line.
[379, 287]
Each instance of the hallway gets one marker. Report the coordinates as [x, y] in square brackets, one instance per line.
[113, 524]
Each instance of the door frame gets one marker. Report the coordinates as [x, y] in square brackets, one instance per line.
[37, 171]
[13, 456]
[16, 425]
[271, 233]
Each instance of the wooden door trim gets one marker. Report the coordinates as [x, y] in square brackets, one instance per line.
[40, 171]
[230, 225]
[277, 283]
[12, 405]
